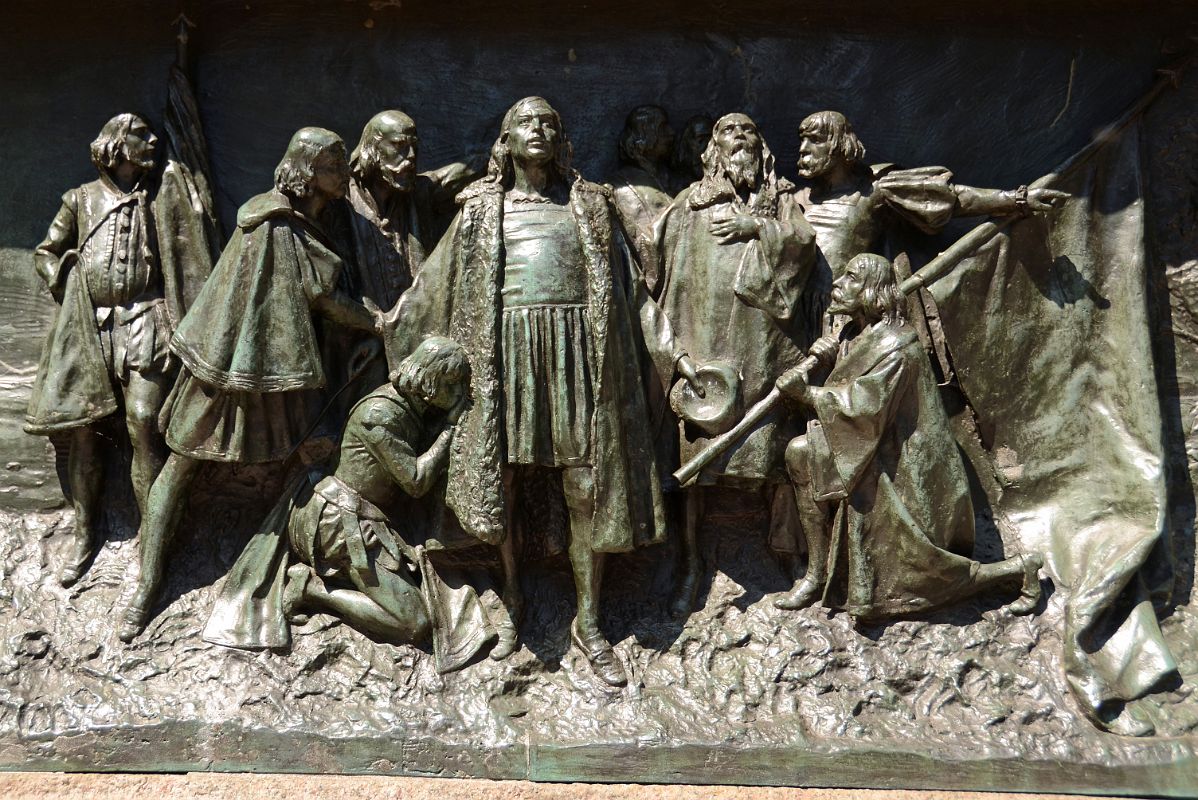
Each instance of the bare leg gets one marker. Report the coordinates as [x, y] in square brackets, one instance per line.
[86, 475]
[690, 564]
[579, 489]
[814, 519]
[164, 507]
[144, 397]
[513, 599]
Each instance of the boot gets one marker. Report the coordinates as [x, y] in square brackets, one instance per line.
[600, 656]
[1029, 594]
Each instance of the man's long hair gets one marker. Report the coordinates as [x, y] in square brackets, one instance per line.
[499, 169]
[435, 360]
[880, 293]
[295, 175]
[835, 126]
[716, 186]
[364, 158]
[108, 147]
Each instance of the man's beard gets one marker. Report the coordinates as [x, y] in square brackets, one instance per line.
[812, 168]
[396, 178]
[743, 168]
[143, 163]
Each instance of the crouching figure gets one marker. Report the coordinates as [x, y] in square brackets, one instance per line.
[882, 491]
[331, 545]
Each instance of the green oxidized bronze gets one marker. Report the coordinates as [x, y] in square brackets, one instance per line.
[733, 468]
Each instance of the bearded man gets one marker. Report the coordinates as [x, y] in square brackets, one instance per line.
[117, 269]
[738, 254]
[397, 215]
[248, 345]
[536, 281]
[879, 480]
[641, 184]
[392, 219]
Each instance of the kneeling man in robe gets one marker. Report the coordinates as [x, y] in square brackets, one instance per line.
[882, 491]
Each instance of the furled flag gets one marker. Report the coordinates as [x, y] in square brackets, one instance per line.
[184, 211]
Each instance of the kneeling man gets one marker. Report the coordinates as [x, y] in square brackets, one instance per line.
[345, 556]
[881, 488]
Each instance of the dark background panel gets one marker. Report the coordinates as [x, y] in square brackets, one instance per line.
[998, 94]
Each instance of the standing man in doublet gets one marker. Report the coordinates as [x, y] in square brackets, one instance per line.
[119, 280]
[535, 280]
[738, 254]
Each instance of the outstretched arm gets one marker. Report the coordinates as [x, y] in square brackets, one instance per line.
[972, 201]
[927, 197]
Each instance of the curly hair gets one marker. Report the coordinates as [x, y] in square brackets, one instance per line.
[499, 169]
[295, 176]
[836, 127]
[880, 295]
[435, 360]
[107, 149]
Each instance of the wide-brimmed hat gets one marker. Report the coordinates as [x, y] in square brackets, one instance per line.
[720, 408]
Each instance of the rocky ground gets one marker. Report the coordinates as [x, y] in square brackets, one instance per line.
[975, 682]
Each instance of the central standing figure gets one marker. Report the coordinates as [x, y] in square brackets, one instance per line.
[536, 281]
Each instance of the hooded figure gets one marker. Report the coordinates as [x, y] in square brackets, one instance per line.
[249, 348]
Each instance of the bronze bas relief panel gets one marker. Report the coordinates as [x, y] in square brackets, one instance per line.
[712, 396]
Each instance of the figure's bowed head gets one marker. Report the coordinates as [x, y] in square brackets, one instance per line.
[314, 169]
[125, 149]
[437, 373]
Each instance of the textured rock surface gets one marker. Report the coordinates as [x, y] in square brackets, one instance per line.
[974, 685]
[217, 787]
